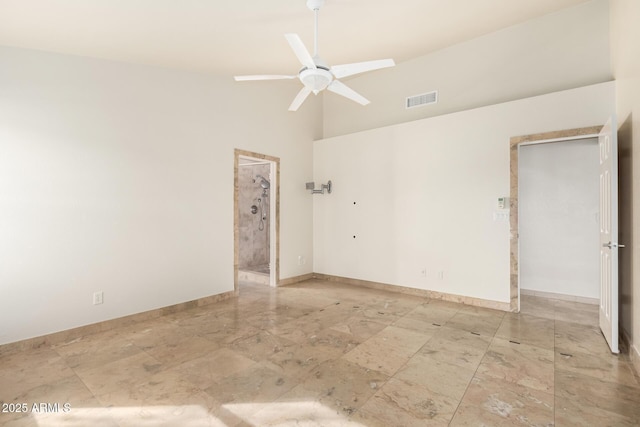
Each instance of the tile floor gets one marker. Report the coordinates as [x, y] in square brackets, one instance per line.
[328, 354]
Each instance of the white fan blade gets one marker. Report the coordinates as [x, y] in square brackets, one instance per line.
[340, 88]
[300, 50]
[299, 99]
[263, 77]
[345, 70]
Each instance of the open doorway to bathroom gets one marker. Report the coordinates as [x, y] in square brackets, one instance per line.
[256, 225]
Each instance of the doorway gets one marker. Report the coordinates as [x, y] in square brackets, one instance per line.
[256, 219]
[558, 221]
[514, 146]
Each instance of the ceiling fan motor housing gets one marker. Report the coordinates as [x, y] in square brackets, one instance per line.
[316, 79]
[315, 4]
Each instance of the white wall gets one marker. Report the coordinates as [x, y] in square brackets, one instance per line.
[564, 50]
[426, 192]
[119, 178]
[625, 49]
[558, 204]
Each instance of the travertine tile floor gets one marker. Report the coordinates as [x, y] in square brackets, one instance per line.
[328, 354]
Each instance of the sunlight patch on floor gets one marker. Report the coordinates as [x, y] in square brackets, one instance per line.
[258, 414]
[140, 416]
[284, 414]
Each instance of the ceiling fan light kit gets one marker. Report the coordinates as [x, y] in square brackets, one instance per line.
[315, 74]
[315, 79]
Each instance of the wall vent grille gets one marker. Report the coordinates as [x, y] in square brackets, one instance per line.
[423, 99]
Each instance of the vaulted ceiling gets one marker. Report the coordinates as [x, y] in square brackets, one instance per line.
[230, 37]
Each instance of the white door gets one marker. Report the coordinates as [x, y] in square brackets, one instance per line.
[608, 144]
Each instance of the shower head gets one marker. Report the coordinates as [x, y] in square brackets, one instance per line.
[264, 183]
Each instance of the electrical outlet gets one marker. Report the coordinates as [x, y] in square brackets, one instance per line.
[301, 260]
[423, 272]
[98, 298]
[441, 275]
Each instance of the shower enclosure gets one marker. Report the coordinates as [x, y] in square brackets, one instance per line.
[254, 227]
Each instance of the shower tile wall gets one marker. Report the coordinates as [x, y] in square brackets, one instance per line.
[254, 243]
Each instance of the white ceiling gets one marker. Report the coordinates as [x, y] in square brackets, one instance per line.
[231, 37]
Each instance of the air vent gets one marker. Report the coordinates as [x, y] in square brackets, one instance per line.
[424, 99]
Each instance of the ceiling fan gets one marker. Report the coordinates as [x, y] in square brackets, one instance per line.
[315, 74]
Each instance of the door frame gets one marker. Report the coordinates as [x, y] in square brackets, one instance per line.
[274, 212]
[514, 145]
